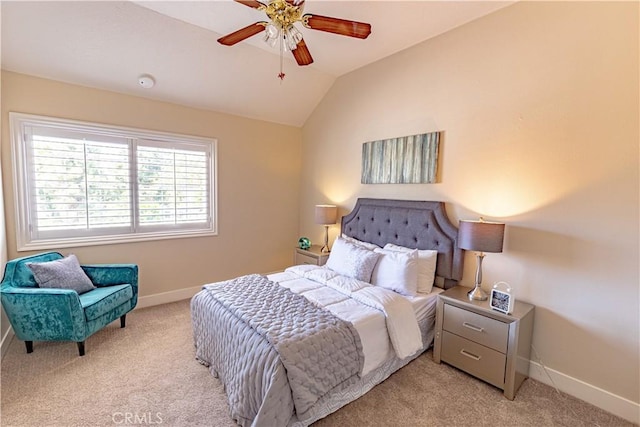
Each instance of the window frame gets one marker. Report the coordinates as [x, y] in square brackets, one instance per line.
[18, 122]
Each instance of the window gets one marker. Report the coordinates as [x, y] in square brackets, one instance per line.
[80, 184]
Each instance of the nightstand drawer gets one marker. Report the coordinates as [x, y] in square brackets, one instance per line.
[305, 259]
[480, 329]
[312, 256]
[479, 361]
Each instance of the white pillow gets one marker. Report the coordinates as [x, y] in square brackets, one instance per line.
[366, 245]
[427, 262]
[352, 261]
[397, 271]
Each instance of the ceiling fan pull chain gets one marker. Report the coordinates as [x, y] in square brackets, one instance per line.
[281, 75]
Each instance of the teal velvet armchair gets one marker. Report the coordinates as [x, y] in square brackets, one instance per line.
[46, 314]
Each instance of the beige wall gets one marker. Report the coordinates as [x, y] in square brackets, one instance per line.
[539, 107]
[258, 187]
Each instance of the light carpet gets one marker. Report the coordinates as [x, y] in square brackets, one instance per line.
[146, 374]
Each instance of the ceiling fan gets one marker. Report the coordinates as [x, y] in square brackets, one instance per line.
[283, 14]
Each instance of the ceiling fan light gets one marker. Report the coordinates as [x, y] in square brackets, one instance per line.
[295, 34]
[272, 35]
[271, 31]
[291, 43]
[272, 42]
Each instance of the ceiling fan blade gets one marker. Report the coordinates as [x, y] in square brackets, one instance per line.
[243, 33]
[295, 2]
[343, 27]
[302, 54]
[255, 4]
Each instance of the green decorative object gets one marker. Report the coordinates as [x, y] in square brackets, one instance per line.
[304, 243]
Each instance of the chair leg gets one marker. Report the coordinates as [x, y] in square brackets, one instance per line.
[81, 348]
[29, 345]
[123, 320]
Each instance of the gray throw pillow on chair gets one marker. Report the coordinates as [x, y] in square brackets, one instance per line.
[64, 273]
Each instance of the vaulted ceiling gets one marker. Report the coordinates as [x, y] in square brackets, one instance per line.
[108, 44]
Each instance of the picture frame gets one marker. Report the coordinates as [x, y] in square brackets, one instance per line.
[501, 298]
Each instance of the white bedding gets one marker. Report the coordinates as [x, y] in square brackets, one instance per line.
[362, 305]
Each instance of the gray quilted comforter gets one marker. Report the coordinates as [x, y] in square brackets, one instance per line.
[272, 348]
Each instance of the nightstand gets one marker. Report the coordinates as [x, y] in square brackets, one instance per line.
[313, 256]
[485, 343]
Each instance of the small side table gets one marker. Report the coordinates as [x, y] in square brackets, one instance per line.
[312, 256]
[488, 344]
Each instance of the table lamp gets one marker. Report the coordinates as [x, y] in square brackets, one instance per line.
[326, 215]
[480, 236]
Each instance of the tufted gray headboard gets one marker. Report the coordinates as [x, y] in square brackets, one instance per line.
[409, 223]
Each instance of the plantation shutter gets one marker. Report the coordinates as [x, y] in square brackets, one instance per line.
[173, 184]
[80, 183]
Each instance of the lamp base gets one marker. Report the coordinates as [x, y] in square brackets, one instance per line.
[325, 249]
[477, 294]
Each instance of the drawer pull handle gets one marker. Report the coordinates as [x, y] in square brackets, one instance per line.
[469, 355]
[472, 327]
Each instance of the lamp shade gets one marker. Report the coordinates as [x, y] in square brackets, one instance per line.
[480, 236]
[326, 214]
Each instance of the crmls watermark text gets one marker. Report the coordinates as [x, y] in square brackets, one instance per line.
[134, 418]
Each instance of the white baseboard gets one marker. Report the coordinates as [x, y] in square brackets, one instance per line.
[167, 297]
[146, 301]
[6, 340]
[617, 405]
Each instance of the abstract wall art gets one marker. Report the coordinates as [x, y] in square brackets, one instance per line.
[406, 160]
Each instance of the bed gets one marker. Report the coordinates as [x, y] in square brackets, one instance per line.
[295, 346]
